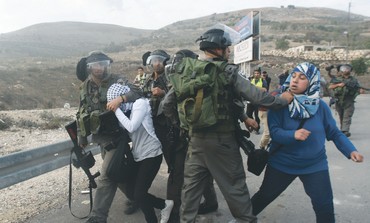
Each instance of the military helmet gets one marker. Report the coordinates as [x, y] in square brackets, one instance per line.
[158, 55]
[344, 67]
[214, 38]
[81, 71]
[98, 64]
[179, 55]
[145, 57]
[96, 56]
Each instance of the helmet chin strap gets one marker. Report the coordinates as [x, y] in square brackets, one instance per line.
[218, 57]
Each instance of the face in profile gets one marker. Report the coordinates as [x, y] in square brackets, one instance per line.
[227, 53]
[298, 83]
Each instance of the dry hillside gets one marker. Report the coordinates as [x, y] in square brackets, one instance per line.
[37, 66]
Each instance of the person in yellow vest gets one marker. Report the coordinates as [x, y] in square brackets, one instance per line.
[252, 109]
[140, 77]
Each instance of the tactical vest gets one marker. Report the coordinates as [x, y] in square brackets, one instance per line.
[93, 102]
[203, 95]
[349, 91]
[160, 82]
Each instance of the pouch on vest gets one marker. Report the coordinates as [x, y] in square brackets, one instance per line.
[84, 124]
[196, 87]
[94, 122]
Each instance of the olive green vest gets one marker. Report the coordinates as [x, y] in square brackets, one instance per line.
[93, 102]
[203, 95]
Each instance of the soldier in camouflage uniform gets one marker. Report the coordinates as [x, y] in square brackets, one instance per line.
[213, 151]
[345, 89]
[94, 70]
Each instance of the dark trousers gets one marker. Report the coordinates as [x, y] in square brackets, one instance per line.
[316, 185]
[252, 110]
[147, 170]
[161, 131]
[174, 184]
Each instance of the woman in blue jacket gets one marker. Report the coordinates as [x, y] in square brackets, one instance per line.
[301, 152]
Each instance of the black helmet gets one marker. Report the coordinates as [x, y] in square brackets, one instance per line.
[184, 53]
[214, 38]
[96, 56]
[98, 61]
[81, 71]
[145, 57]
[158, 54]
[328, 68]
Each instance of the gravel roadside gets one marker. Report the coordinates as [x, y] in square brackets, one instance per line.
[48, 191]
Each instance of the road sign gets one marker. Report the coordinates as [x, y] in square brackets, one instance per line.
[243, 51]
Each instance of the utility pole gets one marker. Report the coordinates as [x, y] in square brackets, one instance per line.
[349, 13]
[347, 32]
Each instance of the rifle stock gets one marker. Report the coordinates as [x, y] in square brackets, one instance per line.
[84, 160]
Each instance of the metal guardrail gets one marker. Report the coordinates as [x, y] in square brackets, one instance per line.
[21, 166]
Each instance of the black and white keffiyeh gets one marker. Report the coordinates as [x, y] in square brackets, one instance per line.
[116, 90]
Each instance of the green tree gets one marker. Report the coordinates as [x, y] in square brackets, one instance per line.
[281, 44]
[359, 66]
[312, 37]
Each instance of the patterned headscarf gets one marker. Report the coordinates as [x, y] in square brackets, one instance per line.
[305, 105]
[115, 90]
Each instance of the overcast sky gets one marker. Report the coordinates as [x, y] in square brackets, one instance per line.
[143, 14]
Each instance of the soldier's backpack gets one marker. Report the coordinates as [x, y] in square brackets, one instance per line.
[198, 86]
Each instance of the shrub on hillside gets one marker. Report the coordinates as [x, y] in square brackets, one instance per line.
[27, 124]
[5, 122]
[281, 44]
[53, 122]
[359, 66]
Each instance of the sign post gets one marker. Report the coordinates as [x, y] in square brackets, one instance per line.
[249, 48]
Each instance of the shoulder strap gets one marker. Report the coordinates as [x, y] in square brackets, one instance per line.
[302, 123]
[299, 127]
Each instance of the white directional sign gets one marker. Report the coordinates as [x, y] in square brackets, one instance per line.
[243, 51]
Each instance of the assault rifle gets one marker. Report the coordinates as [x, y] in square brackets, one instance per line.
[350, 84]
[85, 160]
[241, 135]
[242, 138]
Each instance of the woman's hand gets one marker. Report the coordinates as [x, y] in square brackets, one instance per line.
[356, 157]
[301, 134]
[114, 104]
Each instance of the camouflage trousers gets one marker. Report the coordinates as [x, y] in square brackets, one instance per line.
[345, 113]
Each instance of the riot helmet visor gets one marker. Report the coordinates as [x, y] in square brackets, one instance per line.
[345, 69]
[154, 59]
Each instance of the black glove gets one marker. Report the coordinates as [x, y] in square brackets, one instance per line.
[134, 93]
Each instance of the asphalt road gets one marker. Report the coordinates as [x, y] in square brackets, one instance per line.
[350, 182]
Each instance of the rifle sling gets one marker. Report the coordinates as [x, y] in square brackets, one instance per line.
[70, 191]
[198, 105]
